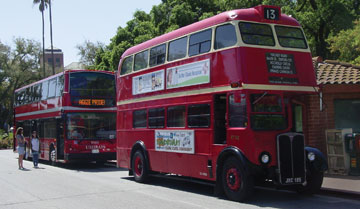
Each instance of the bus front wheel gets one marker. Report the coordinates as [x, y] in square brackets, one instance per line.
[313, 184]
[237, 183]
[140, 167]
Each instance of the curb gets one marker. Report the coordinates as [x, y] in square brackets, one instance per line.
[340, 193]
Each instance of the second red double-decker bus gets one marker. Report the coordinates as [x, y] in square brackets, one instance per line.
[221, 100]
[74, 114]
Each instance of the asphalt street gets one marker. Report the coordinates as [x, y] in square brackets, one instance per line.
[103, 186]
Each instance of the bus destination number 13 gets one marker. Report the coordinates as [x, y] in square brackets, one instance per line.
[271, 14]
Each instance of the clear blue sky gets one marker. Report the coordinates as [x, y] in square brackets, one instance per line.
[74, 21]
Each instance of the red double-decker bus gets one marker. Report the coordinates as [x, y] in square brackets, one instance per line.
[74, 114]
[221, 100]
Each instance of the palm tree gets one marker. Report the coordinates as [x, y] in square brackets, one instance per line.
[51, 39]
[42, 5]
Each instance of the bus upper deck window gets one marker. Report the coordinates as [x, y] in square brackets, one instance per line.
[200, 42]
[59, 85]
[225, 36]
[44, 89]
[290, 37]
[157, 55]
[257, 34]
[126, 66]
[141, 60]
[177, 49]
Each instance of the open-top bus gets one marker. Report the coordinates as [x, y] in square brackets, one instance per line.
[221, 100]
[74, 114]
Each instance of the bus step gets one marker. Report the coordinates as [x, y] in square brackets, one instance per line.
[184, 178]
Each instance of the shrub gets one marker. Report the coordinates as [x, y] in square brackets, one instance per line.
[6, 140]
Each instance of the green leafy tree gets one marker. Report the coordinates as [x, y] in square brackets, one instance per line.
[137, 30]
[18, 67]
[320, 19]
[88, 51]
[347, 44]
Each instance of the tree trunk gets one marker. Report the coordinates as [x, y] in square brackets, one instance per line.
[51, 39]
[43, 39]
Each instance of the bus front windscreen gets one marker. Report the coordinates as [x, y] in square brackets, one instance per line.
[92, 89]
[267, 112]
[91, 126]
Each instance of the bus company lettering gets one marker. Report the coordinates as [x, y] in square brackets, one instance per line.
[174, 141]
[91, 147]
[92, 102]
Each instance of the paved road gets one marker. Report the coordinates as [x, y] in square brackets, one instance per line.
[92, 186]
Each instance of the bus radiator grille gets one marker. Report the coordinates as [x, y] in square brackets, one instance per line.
[291, 158]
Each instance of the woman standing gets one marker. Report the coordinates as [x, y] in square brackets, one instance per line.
[35, 148]
[21, 146]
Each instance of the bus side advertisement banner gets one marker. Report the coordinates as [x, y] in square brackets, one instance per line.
[181, 141]
[149, 82]
[188, 74]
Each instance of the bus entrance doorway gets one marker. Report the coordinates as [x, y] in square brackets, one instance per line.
[220, 119]
[60, 138]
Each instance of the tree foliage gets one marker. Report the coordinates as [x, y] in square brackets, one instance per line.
[18, 67]
[88, 51]
[347, 44]
[321, 19]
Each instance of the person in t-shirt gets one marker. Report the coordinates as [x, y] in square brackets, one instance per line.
[20, 146]
[35, 148]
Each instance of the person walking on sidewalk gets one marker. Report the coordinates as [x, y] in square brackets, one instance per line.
[21, 146]
[35, 148]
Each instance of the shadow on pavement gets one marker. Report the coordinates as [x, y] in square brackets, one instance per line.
[262, 196]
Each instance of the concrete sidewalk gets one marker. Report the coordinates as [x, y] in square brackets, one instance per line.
[341, 184]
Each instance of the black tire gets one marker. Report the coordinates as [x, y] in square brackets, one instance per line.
[140, 167]
[101, 162]
[52, 156]
[238, 185]
[313, 184]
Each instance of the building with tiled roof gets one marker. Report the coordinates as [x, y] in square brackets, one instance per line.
[335, 72]
[337, 104]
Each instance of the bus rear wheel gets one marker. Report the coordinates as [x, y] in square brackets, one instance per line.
[139, 167]
[237, 183]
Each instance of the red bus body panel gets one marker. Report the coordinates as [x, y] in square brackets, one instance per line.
[246, 65]
[55, 108]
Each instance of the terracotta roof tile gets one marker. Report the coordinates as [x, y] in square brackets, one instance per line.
[335, 72]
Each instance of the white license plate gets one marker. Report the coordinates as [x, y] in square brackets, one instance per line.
[95, 151]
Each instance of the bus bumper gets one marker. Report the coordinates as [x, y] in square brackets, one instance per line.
[90, 156]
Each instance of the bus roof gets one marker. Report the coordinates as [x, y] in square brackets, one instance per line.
[250, 14]
[64, 72]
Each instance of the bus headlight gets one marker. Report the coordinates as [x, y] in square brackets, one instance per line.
[265, 158]
[311, 156]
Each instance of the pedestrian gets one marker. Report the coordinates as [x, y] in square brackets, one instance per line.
[35, 148]
[21, 146]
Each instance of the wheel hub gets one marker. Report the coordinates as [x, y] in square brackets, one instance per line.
[138, 166]
[233, 179]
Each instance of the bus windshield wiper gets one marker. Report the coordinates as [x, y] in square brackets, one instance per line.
[258, 99]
